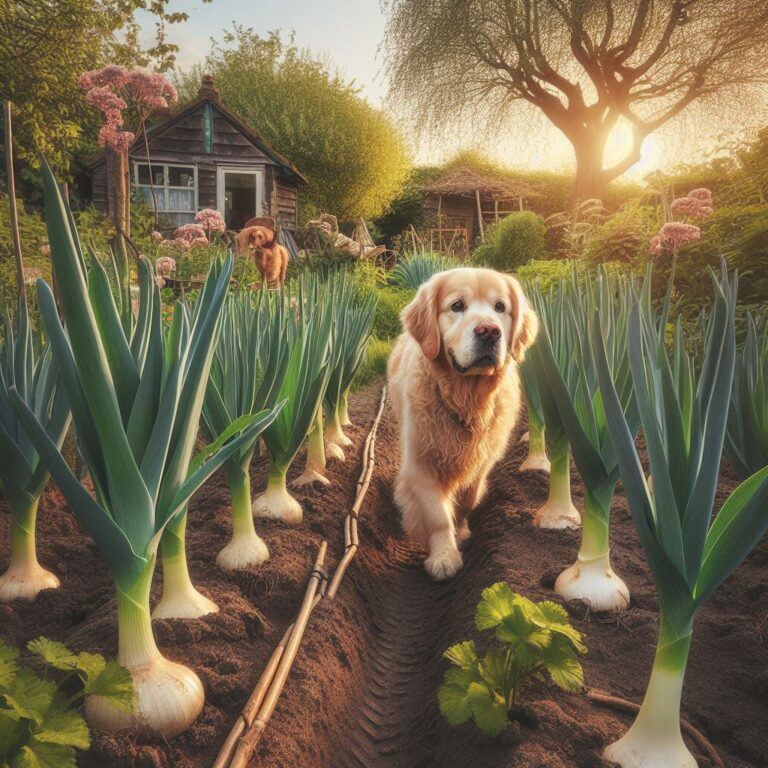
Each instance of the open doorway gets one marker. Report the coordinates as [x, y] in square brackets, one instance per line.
[239, 195]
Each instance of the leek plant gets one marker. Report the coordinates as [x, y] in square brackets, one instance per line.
[684, 422]
[136, 405]
[558, 511]
[746, 439]
[36, 378]
[572, 385]
[246, 377]
[537, 459]
[351, 333]
[308, 336]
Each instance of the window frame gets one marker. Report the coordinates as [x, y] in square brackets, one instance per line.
[165, 187]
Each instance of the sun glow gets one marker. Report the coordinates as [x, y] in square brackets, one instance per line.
[619, 145]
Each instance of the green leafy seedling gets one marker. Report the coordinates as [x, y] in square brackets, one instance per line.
[532, 640]
[39, 722]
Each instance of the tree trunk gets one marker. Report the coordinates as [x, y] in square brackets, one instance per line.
[590, 180]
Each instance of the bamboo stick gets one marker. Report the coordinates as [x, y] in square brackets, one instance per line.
[255, 715]
[252, 736]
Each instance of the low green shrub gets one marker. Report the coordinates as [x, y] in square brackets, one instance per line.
[386, 321]
[512, 242]
[416, 268]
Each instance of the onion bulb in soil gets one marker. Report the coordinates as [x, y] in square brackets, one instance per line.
[315, 467]
[655, 740]
[591, 577]
[25, 577]
[246, 549]
[180, 599]
[276, 503]
[558, 511]
[169, 696]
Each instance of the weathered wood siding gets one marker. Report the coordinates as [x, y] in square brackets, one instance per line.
[183, 143]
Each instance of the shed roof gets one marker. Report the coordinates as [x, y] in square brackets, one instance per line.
[464, 181]
[209, 93]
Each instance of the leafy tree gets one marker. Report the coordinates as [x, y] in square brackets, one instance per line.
[45, 45]
[535, 640]
[351, 153]
[585, 65]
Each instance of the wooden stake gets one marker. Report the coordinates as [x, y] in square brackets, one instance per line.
[480, 216]
[252, 736]
[255, 715]
[7, 116]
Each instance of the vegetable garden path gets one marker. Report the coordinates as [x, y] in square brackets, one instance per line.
[362, 693]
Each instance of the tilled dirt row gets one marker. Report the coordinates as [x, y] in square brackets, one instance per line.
[363, 690]
[364, 693]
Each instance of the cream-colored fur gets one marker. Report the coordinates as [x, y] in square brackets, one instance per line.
[456, 408]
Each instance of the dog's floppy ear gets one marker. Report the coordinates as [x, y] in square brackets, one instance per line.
[420, 319]
[242, 239]
[525, 324]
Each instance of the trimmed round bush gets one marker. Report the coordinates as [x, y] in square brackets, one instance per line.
[386, 321]
[513, 241]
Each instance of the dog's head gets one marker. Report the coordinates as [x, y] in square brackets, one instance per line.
[475, 318]
[253, 238]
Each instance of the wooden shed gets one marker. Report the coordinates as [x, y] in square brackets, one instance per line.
[204, 156]
[463, 202]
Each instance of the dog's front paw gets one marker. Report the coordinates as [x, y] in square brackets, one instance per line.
[443, 564]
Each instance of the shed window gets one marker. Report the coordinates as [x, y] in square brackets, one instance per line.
[175, 189]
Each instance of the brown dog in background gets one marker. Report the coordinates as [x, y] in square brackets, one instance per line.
[270, 258]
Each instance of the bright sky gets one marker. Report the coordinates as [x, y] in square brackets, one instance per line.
[349, 33]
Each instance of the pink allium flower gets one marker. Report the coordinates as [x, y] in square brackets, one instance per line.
[675, 233]
[703, 194]
[31, 274]
[210, 220]
[199, 242]
[160, 280]
[156, 237]
[165, 265]
[694, 207]
[45, 250]
[656, 244]
[190, 232]
[112, 137]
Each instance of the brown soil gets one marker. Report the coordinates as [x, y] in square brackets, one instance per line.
[362, 691]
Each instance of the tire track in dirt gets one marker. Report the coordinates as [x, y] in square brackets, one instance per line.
[394, 727]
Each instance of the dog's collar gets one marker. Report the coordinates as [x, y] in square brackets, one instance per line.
[454, 416]
[458, 421]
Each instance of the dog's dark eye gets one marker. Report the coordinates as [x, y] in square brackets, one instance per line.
[499, 306]
[458, 306]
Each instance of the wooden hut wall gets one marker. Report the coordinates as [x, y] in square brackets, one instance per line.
[184, 144]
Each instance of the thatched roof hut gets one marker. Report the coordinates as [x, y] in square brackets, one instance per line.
[463, 201]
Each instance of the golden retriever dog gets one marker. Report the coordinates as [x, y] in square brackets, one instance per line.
[455, 391]
[271, 258]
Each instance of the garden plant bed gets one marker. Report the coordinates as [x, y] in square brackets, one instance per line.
[363, 689]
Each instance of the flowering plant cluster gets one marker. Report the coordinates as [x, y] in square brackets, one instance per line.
[210, 220]
[165, 265]
[185, 237]
[697, 204]
[113, 88]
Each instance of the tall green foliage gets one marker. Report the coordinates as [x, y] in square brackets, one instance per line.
[33, 374]
[352, 154]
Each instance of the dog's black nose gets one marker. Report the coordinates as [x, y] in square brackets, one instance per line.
[488, 332]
